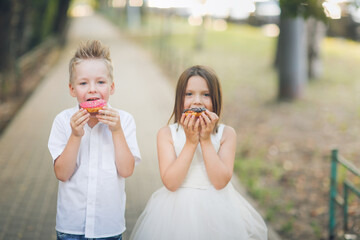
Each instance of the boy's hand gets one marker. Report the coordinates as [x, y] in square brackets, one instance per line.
[190, 125]
[77, 122]
[207, 123]
[110, 117]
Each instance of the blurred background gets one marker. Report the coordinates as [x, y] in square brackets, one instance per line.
[290, 76]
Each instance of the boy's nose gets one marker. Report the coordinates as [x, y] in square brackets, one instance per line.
[92, 88]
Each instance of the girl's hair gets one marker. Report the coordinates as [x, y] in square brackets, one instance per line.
[92, 49]
[213, 84]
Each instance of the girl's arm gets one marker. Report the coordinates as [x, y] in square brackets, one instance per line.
[219, 166]
[173, 170]
[124, 160]
[65, 164]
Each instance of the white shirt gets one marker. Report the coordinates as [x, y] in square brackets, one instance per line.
[92, 201]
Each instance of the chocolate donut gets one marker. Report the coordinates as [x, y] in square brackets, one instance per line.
[194, 111]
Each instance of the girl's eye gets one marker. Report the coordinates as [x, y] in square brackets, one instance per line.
[207, 94]
[188, 94]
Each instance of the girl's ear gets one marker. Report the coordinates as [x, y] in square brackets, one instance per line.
[72, 90]
[112, 88]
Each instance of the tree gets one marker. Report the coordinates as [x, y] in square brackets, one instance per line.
[24, 24]
[292, 50]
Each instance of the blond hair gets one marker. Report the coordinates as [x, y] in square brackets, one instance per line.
[87, 50]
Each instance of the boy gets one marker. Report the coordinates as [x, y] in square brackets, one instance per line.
[92, 153]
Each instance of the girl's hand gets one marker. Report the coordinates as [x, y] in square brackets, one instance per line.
[190, 125]
[110, 117]
[77, 122]
[207, 123]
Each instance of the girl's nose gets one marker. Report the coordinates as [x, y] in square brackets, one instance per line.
[197, 99]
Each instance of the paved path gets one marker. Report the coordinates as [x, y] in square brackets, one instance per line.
[28, 187]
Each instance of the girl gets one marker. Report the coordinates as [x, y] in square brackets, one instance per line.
[196, 159]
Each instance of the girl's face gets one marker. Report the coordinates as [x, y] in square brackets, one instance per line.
[197, 94]
[91, 81]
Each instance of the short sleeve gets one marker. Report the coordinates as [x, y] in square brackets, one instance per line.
[57, 138]
[129, 128]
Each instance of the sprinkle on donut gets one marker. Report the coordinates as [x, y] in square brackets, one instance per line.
[93, 106]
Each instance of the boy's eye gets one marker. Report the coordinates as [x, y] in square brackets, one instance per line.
[101, 82]
[82, 83]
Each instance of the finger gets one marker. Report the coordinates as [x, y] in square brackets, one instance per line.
[82, 124]
[107, 118]
[205, 118]
[187, 120]
[78, 114]
[106, 121]
[182, 118]
[192, 121]
[213, 117]
[207, 114]
[202, 121]
[197, 123]
[82, 119]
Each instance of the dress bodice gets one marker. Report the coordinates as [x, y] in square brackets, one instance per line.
[197, 176]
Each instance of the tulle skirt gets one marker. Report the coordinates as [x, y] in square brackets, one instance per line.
[199, 214]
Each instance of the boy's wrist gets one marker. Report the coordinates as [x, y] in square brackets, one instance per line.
[118, 132]
[76, 136]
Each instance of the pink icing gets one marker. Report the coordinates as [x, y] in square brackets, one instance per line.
[93, 104]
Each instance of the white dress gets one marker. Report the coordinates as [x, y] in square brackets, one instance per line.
[197, 211]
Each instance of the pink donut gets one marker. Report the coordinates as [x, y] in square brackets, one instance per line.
[93, 106]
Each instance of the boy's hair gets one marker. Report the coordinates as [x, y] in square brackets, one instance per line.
[92, 49]
[213, 84]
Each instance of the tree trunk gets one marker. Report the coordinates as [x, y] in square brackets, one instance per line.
[5, 29]
[200, 34]
[316, 31]
[292, 69]
[133, 17]
[61, 20]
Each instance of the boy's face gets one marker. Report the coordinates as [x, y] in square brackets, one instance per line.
[91, 81]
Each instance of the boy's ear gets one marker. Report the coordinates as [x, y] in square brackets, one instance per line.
[112, 88]
[72, 91]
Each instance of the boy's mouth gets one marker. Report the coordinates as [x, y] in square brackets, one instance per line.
[92, 99]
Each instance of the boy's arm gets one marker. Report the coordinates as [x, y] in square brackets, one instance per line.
[124, 159]
[65, 164]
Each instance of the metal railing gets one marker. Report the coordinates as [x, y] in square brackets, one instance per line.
[336, 198]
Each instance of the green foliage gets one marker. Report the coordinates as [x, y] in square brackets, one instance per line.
[316, 228]
[287, 227]
[305, 8]
[44, 14]
[49, 18]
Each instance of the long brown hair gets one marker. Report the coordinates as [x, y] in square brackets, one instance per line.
[212, 81]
